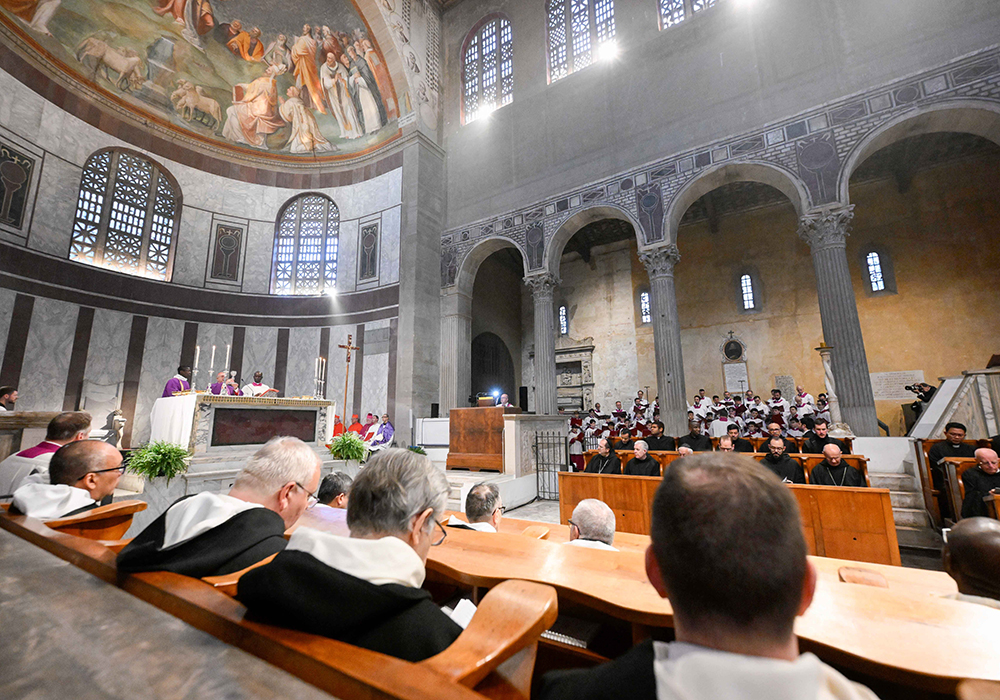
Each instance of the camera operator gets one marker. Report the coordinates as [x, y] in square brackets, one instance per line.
[924, 393]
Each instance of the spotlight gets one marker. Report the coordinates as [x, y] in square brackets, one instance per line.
[608, 51]
[496, 393]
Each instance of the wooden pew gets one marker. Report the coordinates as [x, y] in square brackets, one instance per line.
[108, 522]
[847, 523]
[664, 457]
[14, 423]
[931, 494]
[495, 653]
[993, 506]
[954, 486]
[859, 462]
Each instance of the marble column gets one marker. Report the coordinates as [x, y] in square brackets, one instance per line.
[826, 233]
[542, 291]
[659, 263]
[456, 350]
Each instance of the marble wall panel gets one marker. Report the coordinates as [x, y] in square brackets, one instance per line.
[257, 266]
[220, 336]
[21, 109]
[347, 256]
[160, 357]
[376, 194]
[303, 349]
[389, 242]
[375, 383]
[259, 350]
[335, 369]
[6, 312]
[191, 253]
[108, 349]
[46, 356]
[52, 224]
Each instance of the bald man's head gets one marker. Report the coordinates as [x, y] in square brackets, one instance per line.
[972, 557]
[87, 464]
[832, 454]
[987, 460]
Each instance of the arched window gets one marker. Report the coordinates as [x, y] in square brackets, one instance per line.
[645, 312]
[875, 278]
[563, 321]
[576, 30]
[746, 291]
[305, 246]
[127, 213]
[487, 67]
[676, 11]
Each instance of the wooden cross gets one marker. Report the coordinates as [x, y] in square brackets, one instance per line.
[347, 371]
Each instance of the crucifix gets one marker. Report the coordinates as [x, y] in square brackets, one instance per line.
[347, 371]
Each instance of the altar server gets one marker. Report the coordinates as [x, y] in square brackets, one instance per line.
[179, 382]
[257, 387]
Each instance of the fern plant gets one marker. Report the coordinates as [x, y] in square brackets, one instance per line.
[158, 459]
[349, 446]
[418, 449]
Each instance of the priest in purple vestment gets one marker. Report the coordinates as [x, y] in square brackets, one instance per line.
[224, 385]
[382, 436]
[179, 382]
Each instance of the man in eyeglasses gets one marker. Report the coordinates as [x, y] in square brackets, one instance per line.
[365, 589]
[81, 474]
[211, 534]
[483, 507]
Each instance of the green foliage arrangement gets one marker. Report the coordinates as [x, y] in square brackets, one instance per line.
[349, 446]
[158, 459]
[418, 449]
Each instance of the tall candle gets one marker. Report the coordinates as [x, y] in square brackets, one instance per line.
[228, 348]
[316, 371]
[213, 358]
[197, 353]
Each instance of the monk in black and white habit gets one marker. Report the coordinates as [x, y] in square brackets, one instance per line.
[210, 534]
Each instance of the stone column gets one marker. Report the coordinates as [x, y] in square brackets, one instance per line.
[826, 233]
[456, 349]
[660, 264]
[542, 291]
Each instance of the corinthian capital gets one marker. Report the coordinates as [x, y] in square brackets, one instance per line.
[543, 285]
[827, 229]
[660, 261]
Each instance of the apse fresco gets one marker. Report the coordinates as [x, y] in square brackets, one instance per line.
[298, 77]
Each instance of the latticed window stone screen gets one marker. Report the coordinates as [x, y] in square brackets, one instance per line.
[563, 321]
[487, 68]
[746, 289]
[875, 277]
[644, 311]
[127, 212]
[673, 12]
[576, 30]
[306, 242]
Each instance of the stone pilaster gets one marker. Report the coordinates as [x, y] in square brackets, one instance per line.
[826, 233]
[659, 263]
[456, 350]
[542, 291]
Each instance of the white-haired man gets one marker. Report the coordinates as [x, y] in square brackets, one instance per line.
[365, 589]
[210, 534]
[592, 525]
[642, 464]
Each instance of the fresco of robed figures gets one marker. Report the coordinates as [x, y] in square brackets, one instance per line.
[294, 77]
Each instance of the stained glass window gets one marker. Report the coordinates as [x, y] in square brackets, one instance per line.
[305, 246]
[563, 321]
[875, 277]
[644, 310]
[487, 68]
[746, 290]
[578, 30]
[674, 12]
[127, 212]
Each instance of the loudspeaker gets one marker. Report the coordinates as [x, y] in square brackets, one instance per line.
[522, 398]
[435, 408]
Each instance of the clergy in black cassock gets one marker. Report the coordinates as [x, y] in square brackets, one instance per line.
[605, 461]
[642, 464]
[786, 468]
[695, 440]
[979, 482]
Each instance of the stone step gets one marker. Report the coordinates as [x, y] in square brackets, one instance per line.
[911, 517]
[923, 538]
[893, 482]
[906, 499]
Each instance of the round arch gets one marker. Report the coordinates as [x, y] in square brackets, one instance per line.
[753, 171]
[469, 267]
[976, 117]
[555, 246]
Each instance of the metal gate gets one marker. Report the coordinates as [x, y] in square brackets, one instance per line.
[551, 457]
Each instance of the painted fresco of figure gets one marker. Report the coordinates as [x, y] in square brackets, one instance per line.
[306, 74]
[359, 63]
[361, 94]
[278, 52]
[378, 69]
[247, 45]
[254, 113]
[306, 137]
[199, 12]
[335, 82]
[330, 44]
[34, 13]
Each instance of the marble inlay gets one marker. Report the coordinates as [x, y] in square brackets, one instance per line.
[260, 347]
[347, 256]
[389, 242]
[303, 349]
[191, 248]
[108, 347]
[375, 383]
[6, 313]
[46, 356]
[257, 267]
[160, 358]
[52, 223]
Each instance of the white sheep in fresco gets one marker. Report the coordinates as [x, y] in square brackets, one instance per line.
[190, 99]
[125, 62]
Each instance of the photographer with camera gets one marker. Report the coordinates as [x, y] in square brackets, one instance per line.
[924, 393]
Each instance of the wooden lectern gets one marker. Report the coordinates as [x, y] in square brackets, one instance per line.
[476, 438]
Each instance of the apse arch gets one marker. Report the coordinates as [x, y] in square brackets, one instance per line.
[776, 176]
[557, 244]
[469, 267]
[976, 117]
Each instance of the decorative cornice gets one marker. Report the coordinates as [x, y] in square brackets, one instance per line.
[542, 286]
[660, 261]
[827, 228]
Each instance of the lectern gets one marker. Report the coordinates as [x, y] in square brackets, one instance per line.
[476, 438]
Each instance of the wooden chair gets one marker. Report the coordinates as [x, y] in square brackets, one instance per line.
[931, 494]
[859, 462]
[495, 654]
[954, 486]
[108, 522]
[991, 506]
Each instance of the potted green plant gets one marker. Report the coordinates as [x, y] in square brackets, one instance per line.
[158, 459]
[418, 449]
[348, 451]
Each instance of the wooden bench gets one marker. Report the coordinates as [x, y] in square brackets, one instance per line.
[108, 522]
[954, 485]
[931, 494]
[664, 457]
[842, 522]
[859, 462]
[495, 653]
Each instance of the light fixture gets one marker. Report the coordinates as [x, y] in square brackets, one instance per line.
[608, 51]
[496, 393]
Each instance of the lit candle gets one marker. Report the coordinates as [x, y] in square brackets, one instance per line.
[316, 372]
[197, 353]
[213, 358]
[228, 348]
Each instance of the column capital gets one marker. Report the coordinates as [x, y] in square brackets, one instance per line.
[827, 228]
[660, 261]
[542, 285]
